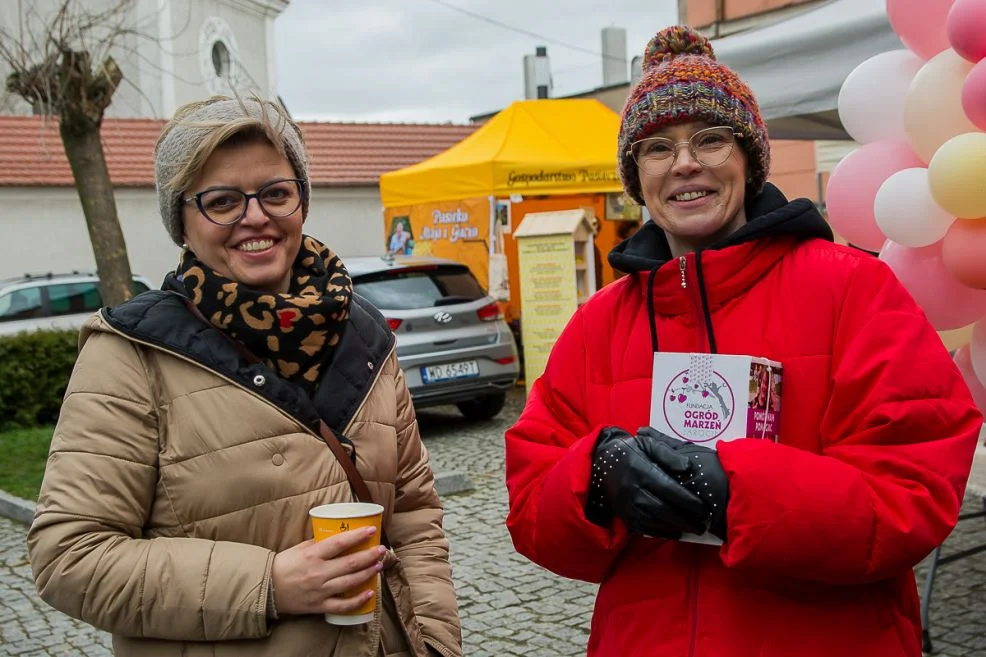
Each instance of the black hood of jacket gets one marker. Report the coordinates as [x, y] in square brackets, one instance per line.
[769, 214]
[161, 319]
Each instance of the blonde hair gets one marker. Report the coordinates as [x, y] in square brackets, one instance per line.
[270, 124]
[199, 128]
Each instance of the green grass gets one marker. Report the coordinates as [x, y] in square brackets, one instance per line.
[23, 453]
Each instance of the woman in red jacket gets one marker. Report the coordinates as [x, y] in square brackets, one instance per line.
[819, 530]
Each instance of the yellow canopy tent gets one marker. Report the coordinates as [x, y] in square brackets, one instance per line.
[533, 156]
[539, 147]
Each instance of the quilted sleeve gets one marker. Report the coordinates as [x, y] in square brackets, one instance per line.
[548, 461]
[899, 432]
[86, 548]
[416, 532]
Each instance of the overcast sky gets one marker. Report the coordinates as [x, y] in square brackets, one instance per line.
[423, 61]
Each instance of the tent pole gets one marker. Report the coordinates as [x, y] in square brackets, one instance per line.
[492, 241]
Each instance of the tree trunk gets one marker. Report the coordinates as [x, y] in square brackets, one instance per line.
[84, 150]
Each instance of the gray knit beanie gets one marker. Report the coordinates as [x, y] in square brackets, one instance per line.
[180, 140]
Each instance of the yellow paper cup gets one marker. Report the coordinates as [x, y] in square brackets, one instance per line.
[331, 519]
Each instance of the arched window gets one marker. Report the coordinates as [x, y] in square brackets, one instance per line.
[221, 60]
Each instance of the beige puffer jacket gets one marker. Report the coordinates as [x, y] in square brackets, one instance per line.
[169, 488]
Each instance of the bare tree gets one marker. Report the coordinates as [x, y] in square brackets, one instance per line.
[62, 66]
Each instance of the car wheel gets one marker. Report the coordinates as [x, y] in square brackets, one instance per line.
[483, 408]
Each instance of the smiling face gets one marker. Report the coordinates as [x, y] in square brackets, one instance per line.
[258, 251]
[695, 205]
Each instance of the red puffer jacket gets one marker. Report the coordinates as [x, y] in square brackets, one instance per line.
[877, 436]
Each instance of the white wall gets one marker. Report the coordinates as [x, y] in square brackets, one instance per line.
[349, 220]
[26, 20]
[45, 230]
[166, 60]
[248, 25]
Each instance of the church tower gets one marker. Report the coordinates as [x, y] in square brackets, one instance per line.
[179, 50]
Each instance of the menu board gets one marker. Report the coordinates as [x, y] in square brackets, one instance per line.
[548, 296]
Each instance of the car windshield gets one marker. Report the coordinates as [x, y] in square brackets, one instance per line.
[419, 287]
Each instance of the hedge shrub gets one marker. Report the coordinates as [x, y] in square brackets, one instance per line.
[34, 371]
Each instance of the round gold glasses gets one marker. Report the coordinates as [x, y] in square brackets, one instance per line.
[710, 147]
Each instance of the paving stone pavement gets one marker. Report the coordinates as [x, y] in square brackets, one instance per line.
[958, 602]
[509, 606]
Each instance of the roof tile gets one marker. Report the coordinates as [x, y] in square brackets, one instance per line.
[31, 152]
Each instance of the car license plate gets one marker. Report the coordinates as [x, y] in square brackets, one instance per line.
[450, 371]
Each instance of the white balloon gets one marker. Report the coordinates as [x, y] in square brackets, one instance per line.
[871, 101]
[906, 212]
[933, 111]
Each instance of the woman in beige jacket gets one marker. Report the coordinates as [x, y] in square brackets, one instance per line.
[174, 508]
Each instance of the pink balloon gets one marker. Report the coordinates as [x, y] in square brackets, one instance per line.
[962, 252]
[920, 24]
[948, 303]
[853, 186]
[966, 29]
[974, 92]
[964, 362]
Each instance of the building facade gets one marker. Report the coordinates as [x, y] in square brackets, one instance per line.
[170, 51]
[47, 231]
[719, 18]
[174, 52]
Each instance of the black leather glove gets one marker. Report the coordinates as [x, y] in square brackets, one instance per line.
[704, 474]
[627, 484]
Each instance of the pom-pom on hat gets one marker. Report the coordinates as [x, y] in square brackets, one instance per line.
[682, 82]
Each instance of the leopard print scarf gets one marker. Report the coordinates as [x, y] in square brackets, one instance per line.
[295, 333]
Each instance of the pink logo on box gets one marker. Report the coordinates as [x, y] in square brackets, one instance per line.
[698, 403]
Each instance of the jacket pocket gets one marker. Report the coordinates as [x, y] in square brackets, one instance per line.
[397, 601]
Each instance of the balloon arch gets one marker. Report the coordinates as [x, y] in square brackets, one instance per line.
[915, 190]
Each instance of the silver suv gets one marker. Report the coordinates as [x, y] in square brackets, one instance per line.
[52, 301]
[452, 341]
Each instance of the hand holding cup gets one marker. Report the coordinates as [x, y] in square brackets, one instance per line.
[336, 573]
[314, 578]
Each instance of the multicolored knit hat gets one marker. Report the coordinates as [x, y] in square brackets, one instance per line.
[683, 82]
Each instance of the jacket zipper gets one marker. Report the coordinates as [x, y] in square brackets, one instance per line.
[694, 294]
[244, 388]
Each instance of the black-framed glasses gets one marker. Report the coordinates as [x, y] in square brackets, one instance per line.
[710, 147]
[227, 205]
